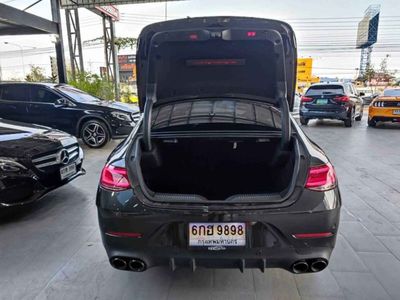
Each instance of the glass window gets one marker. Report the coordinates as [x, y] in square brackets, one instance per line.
[41, 94]
[78, 95]
[324, 89]
[392, 93]
[15, 92]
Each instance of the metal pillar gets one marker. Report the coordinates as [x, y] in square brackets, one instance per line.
[74, 41]
[110, 53]
[365, 60]
[56, 16]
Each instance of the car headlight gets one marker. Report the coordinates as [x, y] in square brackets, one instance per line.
[121, 116]
[10, 165]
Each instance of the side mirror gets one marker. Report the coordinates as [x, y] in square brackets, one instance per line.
[62, 102]
[362, 94]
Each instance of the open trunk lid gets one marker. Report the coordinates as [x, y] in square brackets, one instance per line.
[217, 57]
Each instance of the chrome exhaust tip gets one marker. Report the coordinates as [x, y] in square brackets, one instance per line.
[137, 265]
[318, 265]
[300, 267]
[119, 263]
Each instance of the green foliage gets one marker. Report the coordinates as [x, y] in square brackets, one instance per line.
[369, 74]
[128, 95]
[125, 42]
[93, 84]
[36, 74]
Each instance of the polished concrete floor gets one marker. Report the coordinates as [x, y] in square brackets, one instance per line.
[53, 250]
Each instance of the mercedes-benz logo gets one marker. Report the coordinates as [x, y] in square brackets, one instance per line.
[63, 157]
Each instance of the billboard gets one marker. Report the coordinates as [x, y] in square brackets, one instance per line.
[109, 10]
[304, 69]
[93, 3]
[367, 33]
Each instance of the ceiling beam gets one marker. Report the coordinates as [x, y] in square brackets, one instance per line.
[17, 22]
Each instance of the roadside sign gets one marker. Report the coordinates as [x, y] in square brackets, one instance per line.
[109, 10]
[304, 69]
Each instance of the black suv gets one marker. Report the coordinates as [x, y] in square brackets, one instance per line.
[68, 109]
[217, 173]
[337, 100]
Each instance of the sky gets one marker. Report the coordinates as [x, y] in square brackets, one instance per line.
[326, 30]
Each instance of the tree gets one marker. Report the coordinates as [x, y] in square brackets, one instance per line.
[36, 74]
[368, 75]
[384, 74]
[93, 84]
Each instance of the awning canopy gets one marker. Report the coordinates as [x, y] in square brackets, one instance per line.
[17, 22]
[70, 4]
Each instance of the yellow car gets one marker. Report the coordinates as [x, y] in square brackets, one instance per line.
[385, 108]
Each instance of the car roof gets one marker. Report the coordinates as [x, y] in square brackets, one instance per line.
[329, 83]
[48, 84]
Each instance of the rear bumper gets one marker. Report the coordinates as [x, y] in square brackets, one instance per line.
[324, 114]
[269, 239]
[383, 114]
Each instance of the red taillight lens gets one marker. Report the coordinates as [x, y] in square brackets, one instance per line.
[321, 178]
[114, 178]
[251, 33]
[306, 99]
[341, 99]
[312, 235]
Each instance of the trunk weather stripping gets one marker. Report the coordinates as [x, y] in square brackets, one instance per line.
[202, 35]
[183, 201]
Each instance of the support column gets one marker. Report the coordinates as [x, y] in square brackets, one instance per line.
[56, 16]
[74, 41]
[110, 53]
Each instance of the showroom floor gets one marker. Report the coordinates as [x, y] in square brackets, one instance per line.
[53, 250]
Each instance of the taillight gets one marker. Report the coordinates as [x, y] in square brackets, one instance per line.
[114, 178]
[321, 178]
[342, 98]
[306, 99]
[312, 235]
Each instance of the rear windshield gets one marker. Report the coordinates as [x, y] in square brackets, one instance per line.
[392, 93]
[325, 89]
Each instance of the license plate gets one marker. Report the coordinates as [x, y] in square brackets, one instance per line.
[67, 171]
[217, 234]
[396, 112]
[322, 101]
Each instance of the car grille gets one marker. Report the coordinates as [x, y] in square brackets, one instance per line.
[387, 104]
[56, 157]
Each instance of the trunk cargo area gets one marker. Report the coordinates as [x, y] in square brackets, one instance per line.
[217, 168]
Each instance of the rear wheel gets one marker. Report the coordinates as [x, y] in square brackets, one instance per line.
[372, 123]
[350, 121]
[95, 134]
[303, 121]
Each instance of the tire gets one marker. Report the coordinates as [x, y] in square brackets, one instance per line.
[303, 121]
[372, 123]
[95, 134]
[350, 121]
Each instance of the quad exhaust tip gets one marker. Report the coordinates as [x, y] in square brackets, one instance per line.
[137, 265]
[318, 265]
[300, 267]
[119, 263]
[312, 265]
